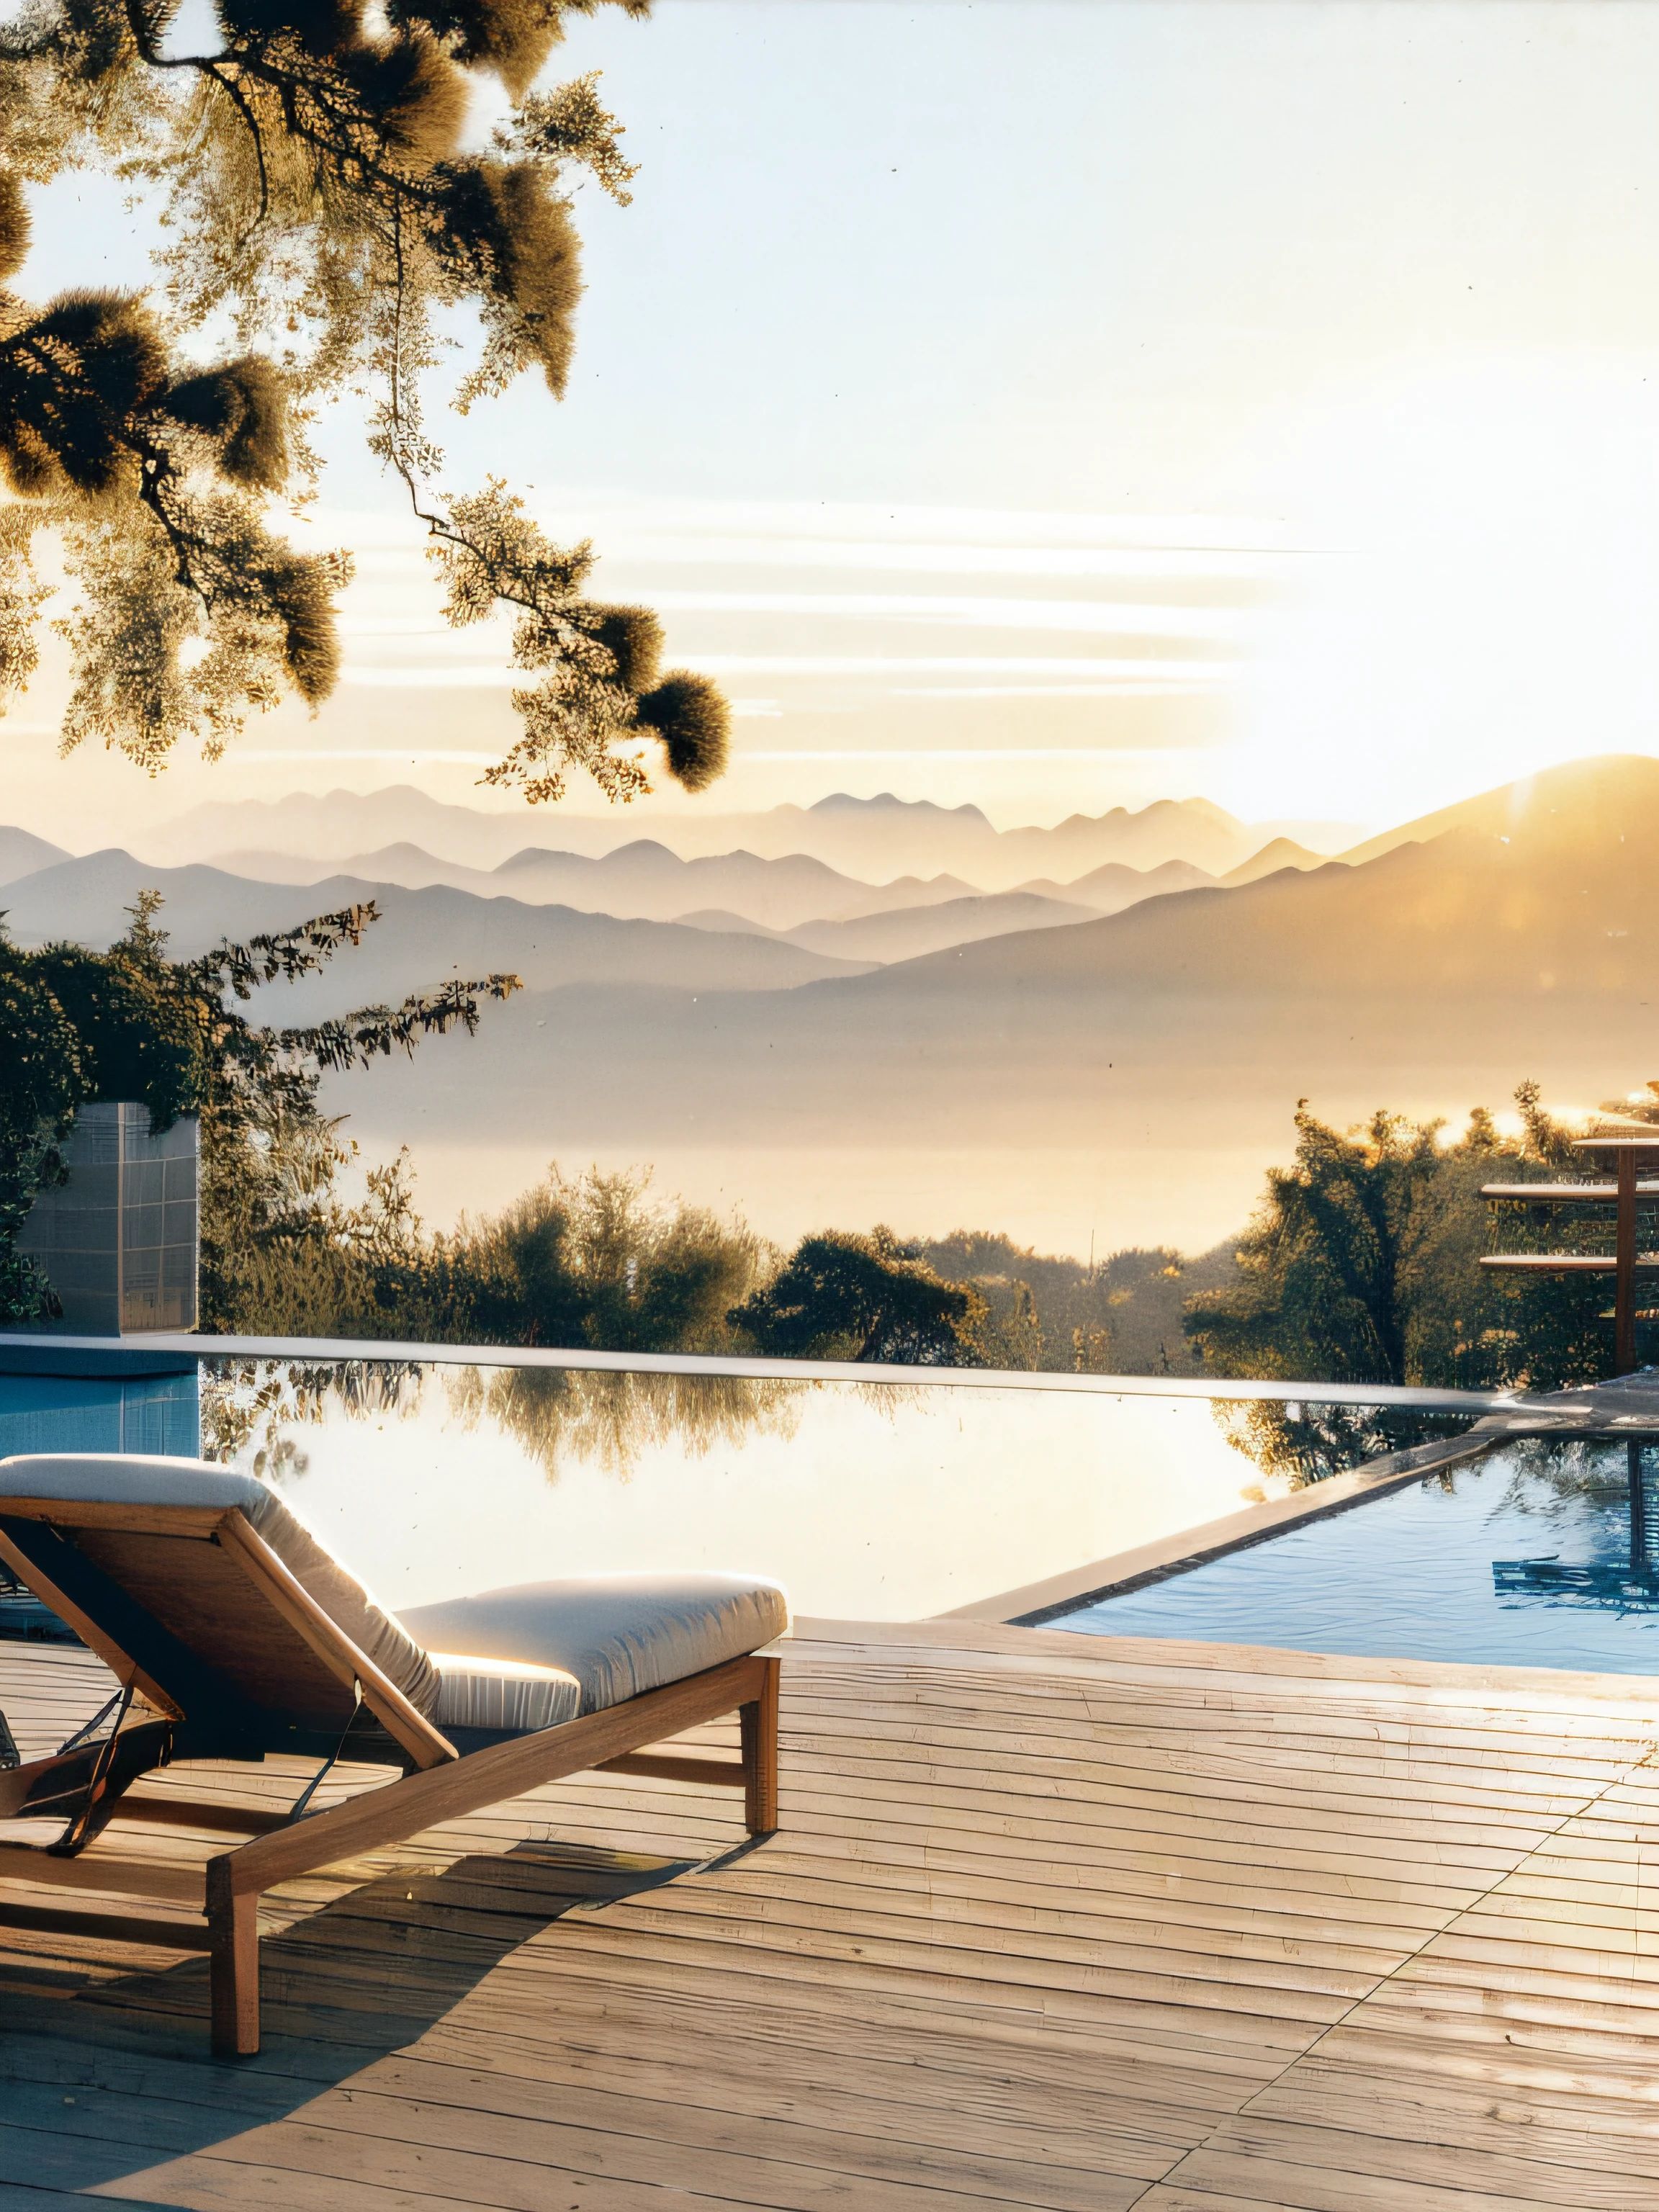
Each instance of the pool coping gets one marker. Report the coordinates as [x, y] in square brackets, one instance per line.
[1035, 1604]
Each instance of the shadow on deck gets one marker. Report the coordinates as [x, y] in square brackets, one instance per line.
[347, 1985]
[1052, 1921]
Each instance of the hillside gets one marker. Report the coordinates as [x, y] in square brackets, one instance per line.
[1585, 802]
[910, 932]
[423, 936]
[872, 840]
[1166, 1045]
[1130, 1073]
[1282, 853]
[644, 881]
[1110, 889]
[21, 853]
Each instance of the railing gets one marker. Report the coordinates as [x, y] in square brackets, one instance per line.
[1624, 1262]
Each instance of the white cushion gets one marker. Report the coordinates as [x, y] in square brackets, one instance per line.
[617, 1634]
[102, 1479]
[502, 1693]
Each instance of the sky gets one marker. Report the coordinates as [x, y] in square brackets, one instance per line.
[1052, 406]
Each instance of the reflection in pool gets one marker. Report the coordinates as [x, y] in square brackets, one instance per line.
[256, 1412]
[1540, 1554]
[870, 1501]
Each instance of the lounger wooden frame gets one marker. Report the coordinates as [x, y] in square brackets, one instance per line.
[441, 1784]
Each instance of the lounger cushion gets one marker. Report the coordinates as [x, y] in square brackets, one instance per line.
[617, 1634]
[96, 1477]
[502, 1693]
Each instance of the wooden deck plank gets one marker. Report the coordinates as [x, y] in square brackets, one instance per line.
[1051, 1921]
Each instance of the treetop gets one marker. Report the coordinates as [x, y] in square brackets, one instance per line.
[307, 166]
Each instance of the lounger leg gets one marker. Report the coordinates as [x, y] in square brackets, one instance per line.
[759, 1724]
[234, 1934]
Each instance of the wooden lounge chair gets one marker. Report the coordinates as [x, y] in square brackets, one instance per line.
[232, 1632]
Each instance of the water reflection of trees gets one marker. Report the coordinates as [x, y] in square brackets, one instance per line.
[256, 1402]
[1552, 1477]
[250, 1408]
[1306, 1442]
[560, 1413]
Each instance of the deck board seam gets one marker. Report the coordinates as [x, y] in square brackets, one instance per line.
[1335, 2027]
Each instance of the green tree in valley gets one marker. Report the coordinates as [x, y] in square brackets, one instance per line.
[844, 1296]
[594, 1261]
[1329, 1262]
[304, 157]
[1119, 1316]
[588, 1262]
[1362, 1265]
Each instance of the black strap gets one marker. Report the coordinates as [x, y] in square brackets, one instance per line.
[297, 1810]
[84, 1735]
[78, 1831]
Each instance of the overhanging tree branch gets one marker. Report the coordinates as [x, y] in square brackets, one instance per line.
[332, 208]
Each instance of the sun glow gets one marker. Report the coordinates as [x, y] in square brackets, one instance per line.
[1482, 604]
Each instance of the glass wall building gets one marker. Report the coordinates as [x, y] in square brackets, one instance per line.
[119, 1242]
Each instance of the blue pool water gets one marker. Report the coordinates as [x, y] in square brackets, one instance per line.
[122, 1399]
[1521, 1558]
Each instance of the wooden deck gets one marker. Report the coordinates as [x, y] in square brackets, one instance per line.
[1051, 1921]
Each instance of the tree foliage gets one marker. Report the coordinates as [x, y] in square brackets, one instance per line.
[78, 1026]
[594, 1261]
[844, 1296]
[319, 205]
[1362, 1265]
[586, 1261]
[1121, 1315]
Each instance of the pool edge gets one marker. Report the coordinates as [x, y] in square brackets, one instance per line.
[1035, 1604]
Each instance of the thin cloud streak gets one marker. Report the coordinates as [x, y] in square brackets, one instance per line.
[832, 664]
[828, 521]
[1087, 617]
[1098, 617]
[362, 753]
[1127, 690]
[486, 677]
[1116, 563]
[985, 753]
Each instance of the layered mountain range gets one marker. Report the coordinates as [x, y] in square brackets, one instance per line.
[1156, 1050]
[873, 840]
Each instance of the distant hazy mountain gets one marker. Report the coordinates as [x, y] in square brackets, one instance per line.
[411, 866]
[22, 852]
[869, 840]
[721, 918]
[423, 936]
[1586, 799]
[1109, 890]
[875, 835]
[642, 880]
[331, 826]
[646, 879]
[963, 840]
[1172, 1039]
[1283, 853]
[912, 931]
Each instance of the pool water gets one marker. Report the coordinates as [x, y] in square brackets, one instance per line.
[1524, 1558]
[870, 1502]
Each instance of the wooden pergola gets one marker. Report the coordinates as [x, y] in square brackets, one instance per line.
[1631, 1151]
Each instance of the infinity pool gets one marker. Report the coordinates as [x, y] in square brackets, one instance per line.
[873, 1502]
[1526, 1558]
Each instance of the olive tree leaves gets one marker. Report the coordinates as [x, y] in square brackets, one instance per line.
[316, 207]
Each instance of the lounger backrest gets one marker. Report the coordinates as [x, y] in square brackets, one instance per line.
[205, 1589]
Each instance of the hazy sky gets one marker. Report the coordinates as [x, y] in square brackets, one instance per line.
[1052, 405]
